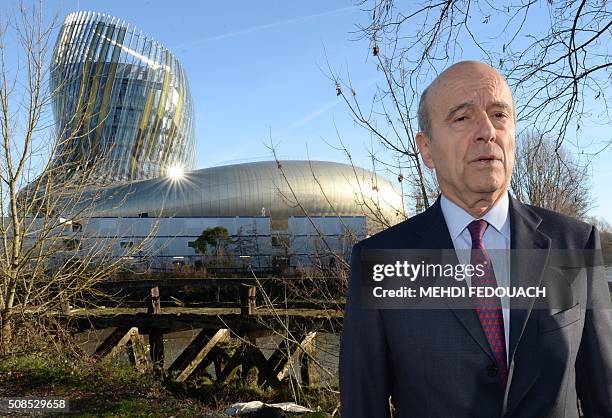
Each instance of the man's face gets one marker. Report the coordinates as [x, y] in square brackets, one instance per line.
[472, 139]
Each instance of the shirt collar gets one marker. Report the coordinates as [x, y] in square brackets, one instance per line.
[457, 219]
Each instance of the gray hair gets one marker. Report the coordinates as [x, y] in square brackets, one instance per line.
[423, 113]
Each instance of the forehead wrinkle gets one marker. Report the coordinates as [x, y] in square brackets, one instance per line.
[493, 85]
[470, 103]
[500, 103]
[465, 81]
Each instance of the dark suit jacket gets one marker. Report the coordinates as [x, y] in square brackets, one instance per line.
[437, 363]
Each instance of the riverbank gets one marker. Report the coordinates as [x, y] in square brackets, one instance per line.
[109, 388]
[95, 389]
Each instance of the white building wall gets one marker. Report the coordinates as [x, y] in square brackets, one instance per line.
[157, 243]
[313, 240]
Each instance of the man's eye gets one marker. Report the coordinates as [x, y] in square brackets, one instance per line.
[460, 118]
[500, 115]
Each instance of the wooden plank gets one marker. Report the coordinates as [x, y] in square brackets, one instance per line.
[114, 342]
[131, 340]
[248, 298]
[156, 349]
[231, 367]
[217, 356]
[295, 356]
[189, 353]
[156, 337]
[308, 369]
[266, 375]
[282, 353]
[189, 282]
[252, 299]
[136, 351]
[204, 318]
[154, 301]
[220, 359]
[222, 335]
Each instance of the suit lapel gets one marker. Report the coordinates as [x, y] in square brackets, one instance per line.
[529, 255]
[435, 235]
[530, 248]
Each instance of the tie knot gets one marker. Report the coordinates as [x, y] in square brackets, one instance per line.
[477, 229]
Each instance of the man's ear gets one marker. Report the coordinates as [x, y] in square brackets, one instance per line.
[422, 141]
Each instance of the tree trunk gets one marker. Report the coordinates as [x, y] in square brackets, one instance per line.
[6, 332]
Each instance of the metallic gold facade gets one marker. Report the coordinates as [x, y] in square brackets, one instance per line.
[121, 101]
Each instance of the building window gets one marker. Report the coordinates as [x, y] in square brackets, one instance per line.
[126, 244]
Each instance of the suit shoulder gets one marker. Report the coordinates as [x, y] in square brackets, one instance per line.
[562, 227]
[550, 217]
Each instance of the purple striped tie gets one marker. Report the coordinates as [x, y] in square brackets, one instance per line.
[489, 309]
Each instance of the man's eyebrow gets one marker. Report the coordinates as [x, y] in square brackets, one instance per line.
[461, 106]
[502, 105]
[458, 108]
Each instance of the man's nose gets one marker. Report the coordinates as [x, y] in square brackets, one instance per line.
[485, 129]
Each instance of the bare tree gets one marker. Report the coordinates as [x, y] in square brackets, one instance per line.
[555, 55]
[46, 261]
[550, 178]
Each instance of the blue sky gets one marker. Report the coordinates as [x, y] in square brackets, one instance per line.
[255, 70]
[257, 73]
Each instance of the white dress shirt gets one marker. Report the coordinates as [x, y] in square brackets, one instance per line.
[496, 241]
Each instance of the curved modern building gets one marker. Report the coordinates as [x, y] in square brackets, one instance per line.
[121, 101]
[123, 108]
[253, 189]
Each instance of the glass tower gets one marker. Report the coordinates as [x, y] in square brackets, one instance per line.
[121, 102]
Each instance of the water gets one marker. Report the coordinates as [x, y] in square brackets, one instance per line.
[174, 343]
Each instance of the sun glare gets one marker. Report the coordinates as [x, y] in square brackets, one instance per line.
[175, 172]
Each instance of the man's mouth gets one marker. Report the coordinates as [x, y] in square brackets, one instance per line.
[486, 159]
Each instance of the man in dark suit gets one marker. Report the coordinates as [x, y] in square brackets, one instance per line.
[497, 357]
